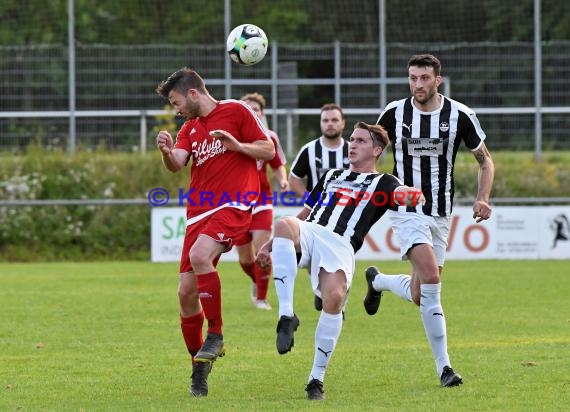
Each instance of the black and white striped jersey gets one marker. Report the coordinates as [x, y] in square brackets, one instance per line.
[349, 203]
[425, 144]
[314, 159]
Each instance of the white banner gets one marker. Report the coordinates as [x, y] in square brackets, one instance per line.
[517, 232]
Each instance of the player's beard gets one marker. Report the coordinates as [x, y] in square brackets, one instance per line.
[332, 135]
[428, 96]
[191, 109]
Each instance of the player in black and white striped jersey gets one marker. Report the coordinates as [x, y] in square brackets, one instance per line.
[426, 131]
[349, 203]
[337, 215]
[330, 151]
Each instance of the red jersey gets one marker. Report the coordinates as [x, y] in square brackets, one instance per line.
[277, 161]
[220, 177]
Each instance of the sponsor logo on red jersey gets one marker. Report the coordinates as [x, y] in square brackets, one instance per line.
[204, 150]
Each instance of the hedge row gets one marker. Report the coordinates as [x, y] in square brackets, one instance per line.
[48, 233]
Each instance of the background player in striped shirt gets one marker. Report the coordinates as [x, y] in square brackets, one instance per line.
[426, 131]
[330, 151]
[330, 229]
[262, 218]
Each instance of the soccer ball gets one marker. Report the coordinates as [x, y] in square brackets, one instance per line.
[247, 44]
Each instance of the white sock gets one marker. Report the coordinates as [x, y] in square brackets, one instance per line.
[397, 284]
[284, 261]
[326, 336]
[434, 324]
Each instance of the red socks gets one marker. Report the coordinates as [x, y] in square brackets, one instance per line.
[192, 332]
[262, 281]
[249, 270]
[210, 293]
[259, 277]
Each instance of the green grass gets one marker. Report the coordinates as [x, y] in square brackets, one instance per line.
[105, 336]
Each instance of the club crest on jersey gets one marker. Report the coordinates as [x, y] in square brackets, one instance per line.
[444, 126]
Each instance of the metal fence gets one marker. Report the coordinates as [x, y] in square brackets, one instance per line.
[495, 79]
[103, 94]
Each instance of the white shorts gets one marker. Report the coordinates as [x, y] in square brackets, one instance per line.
[414, 228]
[322, 248]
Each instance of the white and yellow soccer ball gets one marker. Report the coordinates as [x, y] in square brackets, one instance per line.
[247, 44]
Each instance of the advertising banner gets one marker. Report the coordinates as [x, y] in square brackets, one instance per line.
[514, 232]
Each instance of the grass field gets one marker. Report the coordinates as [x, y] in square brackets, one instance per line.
[106, 337]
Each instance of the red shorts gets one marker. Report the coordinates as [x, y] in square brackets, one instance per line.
[224, 226]
[261, 220]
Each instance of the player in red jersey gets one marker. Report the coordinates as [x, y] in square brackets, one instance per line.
[223, 139]
[262, 219]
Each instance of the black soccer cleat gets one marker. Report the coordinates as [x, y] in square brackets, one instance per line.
[315, 390]
[318, 302]
[199, 380]
[373, 297]
[286, 328]
[449, 378]
[212, 348]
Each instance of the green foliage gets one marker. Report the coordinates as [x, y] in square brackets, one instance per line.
[79, 232]
[91, 232]
[165, 121]
[154, 21]
[517, 174]
[283, 19]
[106, 337]
[24, 22]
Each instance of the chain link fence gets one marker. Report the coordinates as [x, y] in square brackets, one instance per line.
[494, 75]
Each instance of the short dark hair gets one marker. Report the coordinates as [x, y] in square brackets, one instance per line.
[332, 106]
[378, 134]
[181, 81]
[255, 97]
[426, 60]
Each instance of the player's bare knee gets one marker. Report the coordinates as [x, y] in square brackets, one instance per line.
[187, 295]
[199, 261]
[245, 261]
[431, 277]
[284, 228]
[333, 301]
